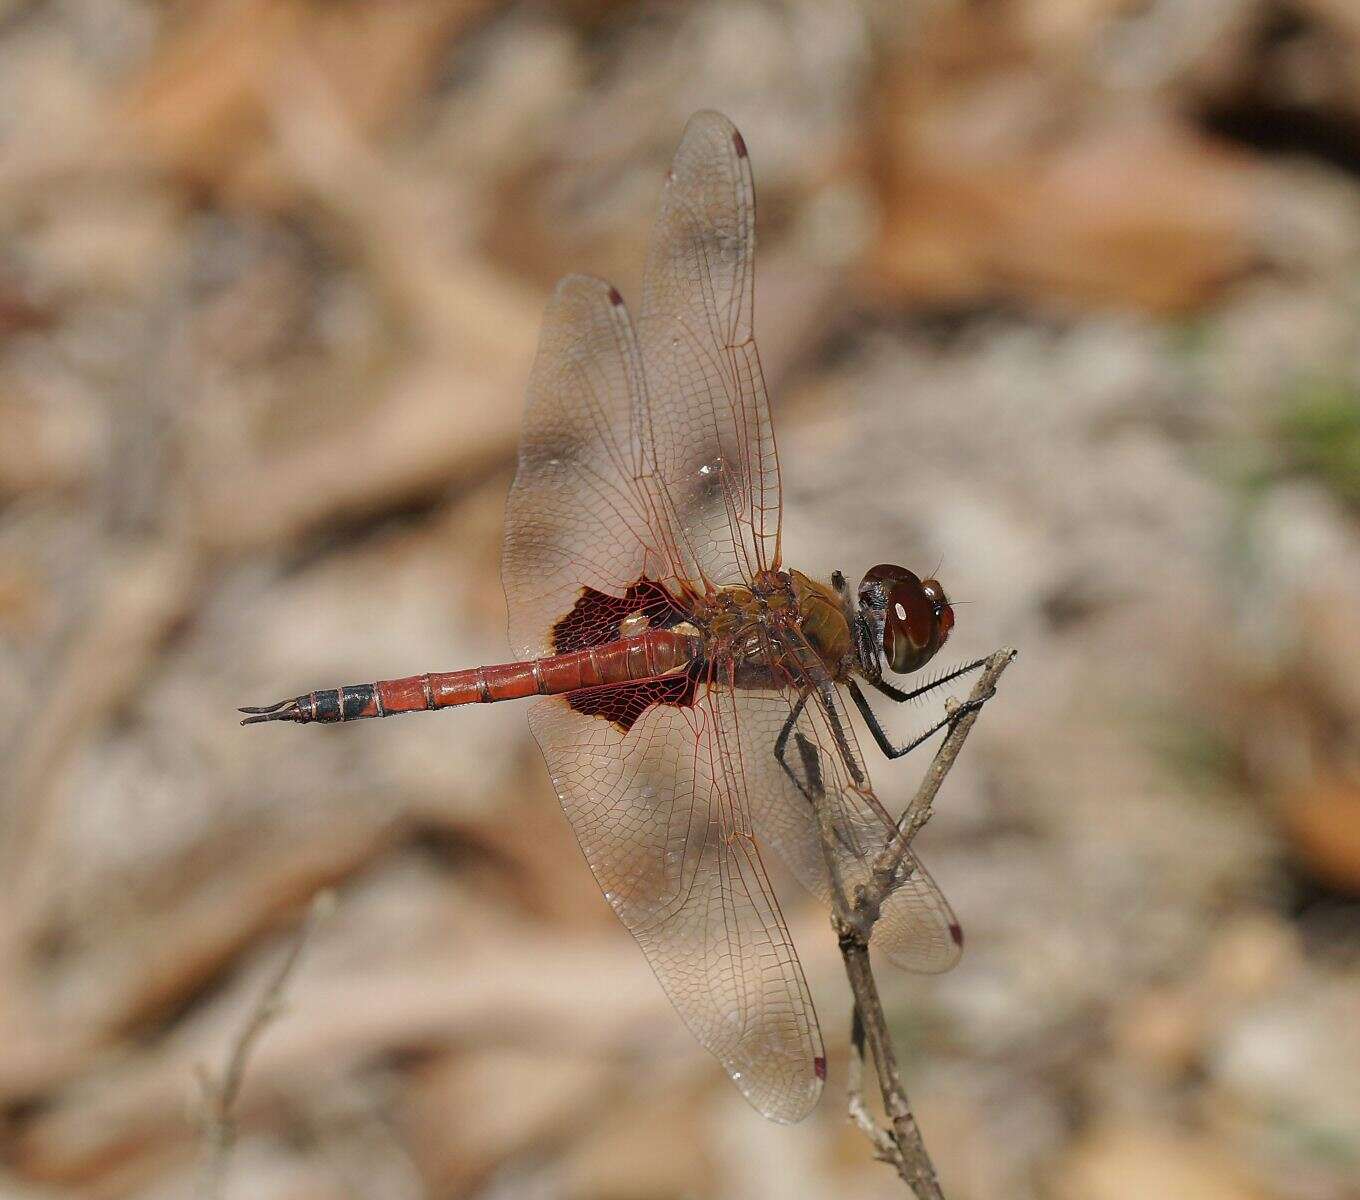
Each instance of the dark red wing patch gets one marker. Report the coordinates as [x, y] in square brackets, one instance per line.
[595, 617]
[595, 620]
[624, 704]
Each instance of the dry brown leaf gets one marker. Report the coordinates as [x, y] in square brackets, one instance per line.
[466, 1114]
[506, 985]
[1322, 823]
[202, 106]
[220, 910]
[145, 593]
[1139, 213]
[1006, 176]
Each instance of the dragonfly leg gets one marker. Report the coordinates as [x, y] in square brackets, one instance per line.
[782, 741]
[781, 744]
[891, 751]
[843, 745]
[814, 790]
[898, 696]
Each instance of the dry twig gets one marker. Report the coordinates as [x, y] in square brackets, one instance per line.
[219, 1095]
[854, 916]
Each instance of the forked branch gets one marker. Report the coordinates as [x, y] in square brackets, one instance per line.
[854, 917]
[886, 875]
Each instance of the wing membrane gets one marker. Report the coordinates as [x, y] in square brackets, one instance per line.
[649, 456]
[661, 817]
[672, 474]
[577, 515]
[705, 426]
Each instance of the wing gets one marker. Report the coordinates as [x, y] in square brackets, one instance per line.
[704, 426]
[624, 484]
[662, 818]
[917, 929]
[577, 515]
[666, 471]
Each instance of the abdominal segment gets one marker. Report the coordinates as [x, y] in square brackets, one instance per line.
[597, 619]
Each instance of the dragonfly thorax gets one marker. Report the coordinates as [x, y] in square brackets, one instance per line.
[824, 622]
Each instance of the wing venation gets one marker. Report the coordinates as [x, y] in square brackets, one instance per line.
[663, 822]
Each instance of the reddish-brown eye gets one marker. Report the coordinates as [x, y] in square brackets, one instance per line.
[916, 615]
[944, 614]
[910, 612]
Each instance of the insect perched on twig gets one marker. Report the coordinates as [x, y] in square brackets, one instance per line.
[693, 691]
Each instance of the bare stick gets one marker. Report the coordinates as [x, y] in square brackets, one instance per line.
[219, 1095]
[885, 1149]
[884, 875]
[901, 1143]
[909, 1154]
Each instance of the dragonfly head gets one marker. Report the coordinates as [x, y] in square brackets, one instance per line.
[909, 617]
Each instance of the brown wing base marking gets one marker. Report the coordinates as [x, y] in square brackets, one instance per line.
[626, 702]
[597, 618]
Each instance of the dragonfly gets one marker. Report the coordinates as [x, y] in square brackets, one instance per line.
[675, 661]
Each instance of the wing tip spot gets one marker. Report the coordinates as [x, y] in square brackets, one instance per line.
[739, 143]
[614, 298]
[956, 933]
[819, 1067]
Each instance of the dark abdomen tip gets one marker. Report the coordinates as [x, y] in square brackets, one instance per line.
[357, 700]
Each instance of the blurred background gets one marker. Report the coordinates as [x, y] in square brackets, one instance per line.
[1062, 295]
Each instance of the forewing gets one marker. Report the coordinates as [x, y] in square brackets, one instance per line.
[663, 822]
[917, 929]
[650, 456]
[705, 425]
[577, 515]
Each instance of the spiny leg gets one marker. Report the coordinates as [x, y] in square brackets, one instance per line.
[870, 719]
[782, 741]
[900, 697]
[827, 829]
[814, 791]
[843, 744]
[849, 757]
[781, 744]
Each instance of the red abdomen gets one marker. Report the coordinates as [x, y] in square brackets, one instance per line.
[651, 655]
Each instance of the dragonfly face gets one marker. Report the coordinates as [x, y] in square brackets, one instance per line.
[908, 618]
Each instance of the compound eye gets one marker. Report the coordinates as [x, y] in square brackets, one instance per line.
[944, 614]
[916, 616]
[916, 624]
[910, 615]
[879, 581]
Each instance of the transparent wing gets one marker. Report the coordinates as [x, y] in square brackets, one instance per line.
[577, 516]
[705, 423]
[650, 455]
[632, 476]
[917, 929]
[661, 816]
